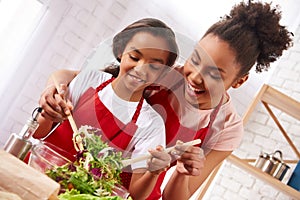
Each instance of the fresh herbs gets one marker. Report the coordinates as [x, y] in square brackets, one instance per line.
[95, 173]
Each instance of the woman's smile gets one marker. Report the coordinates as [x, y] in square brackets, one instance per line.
[196, 90]
[193, 91]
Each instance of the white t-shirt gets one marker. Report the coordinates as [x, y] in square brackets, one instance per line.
[151, 128]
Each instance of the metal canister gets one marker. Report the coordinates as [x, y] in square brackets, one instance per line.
[272, 164]
[264, 162]
[279, 168]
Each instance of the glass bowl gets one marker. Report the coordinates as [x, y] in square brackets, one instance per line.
[45, 156]
[120, 191]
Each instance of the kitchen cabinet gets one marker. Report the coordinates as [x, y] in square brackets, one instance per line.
[270, 98]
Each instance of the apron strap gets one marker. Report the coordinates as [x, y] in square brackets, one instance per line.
[138, 108]
[104, 84]
[213, 115]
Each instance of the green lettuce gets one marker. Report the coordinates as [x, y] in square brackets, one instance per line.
[95, 172]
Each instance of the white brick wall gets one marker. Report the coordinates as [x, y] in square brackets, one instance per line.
[87, 22]
[83, 25]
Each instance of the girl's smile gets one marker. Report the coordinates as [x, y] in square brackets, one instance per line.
[136, 78]
[142, 63]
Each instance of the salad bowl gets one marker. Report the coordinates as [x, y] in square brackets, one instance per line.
[45, 156]
[93, 173]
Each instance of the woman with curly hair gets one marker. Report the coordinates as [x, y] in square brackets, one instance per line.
[250, 35]
[193, 99]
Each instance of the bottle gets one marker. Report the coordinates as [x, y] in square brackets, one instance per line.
[20, 144]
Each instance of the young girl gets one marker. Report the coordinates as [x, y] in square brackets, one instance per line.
[145, 49]
[196, 103]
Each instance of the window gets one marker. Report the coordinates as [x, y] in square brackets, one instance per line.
[18, 20]
[27, 29]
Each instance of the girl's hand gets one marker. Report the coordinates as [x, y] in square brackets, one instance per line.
[190, 160]
[160, 160]
[55, 108]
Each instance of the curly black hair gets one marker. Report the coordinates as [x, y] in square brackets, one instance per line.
[253, 31]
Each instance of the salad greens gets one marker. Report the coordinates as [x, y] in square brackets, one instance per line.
[94, 174]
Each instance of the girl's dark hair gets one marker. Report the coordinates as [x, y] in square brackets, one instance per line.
[254, 33]
[148, 25]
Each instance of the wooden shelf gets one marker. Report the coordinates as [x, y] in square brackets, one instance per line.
[264, 176]
[268, 97]
[275, 98]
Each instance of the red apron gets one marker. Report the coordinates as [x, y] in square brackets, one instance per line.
[91, 111]
[174, 130]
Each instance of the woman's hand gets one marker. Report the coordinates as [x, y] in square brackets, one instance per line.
[55, 107]
[190, 160]
[160, 160]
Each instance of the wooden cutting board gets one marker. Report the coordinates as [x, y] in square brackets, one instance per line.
[29, 184]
